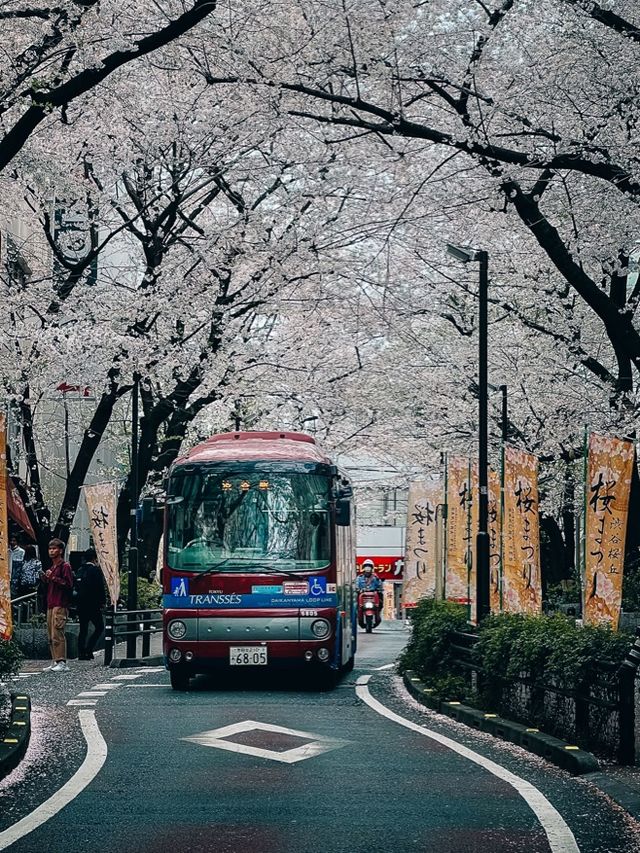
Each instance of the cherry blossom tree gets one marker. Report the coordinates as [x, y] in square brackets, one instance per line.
[54, 54]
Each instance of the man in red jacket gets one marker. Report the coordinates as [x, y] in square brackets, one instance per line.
[59, 581]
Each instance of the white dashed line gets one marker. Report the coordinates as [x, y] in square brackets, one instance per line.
[126, 677]
[108, 685]
[89, 694]
[82, 702]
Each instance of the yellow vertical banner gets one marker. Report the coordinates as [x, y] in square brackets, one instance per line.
[609, 468]
[420, 561]
[102, 504]
[495, 523]
[521, 582]
[458, 529]
[6, 621]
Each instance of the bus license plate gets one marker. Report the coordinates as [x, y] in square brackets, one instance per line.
[248, 655]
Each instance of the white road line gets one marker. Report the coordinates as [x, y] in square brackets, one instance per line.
[142, 686]
[144, 669]
[126, 677]
[88, 770]
[317, 743]
[89, 694]
[386, 666]
[560, 837]
[109, 685]
[82, 702]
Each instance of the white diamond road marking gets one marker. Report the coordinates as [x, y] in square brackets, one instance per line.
[318, 745]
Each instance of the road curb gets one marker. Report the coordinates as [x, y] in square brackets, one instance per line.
[16, 738]
[127, 663]
[622, 794]
[567, 756]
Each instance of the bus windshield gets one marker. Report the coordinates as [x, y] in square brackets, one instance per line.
[248, 522]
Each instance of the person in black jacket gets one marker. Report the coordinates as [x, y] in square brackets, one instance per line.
[89, 600]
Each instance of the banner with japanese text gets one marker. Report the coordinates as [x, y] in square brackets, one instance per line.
[609, 468]
[102, 502]
[457, 581]
[6, 621]
[495, 524]
[421, 557]
[521, 581]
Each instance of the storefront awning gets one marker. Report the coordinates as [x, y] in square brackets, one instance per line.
[17, 511]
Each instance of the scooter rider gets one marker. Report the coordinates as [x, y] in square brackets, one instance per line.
[369, 580]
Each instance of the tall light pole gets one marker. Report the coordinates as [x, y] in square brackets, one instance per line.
[467, 255]
[132, 593]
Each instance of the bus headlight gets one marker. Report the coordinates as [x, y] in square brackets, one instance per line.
[320, 628]
[177, 630]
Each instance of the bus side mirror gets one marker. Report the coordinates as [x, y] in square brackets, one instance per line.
[149, 511]
[343, 512]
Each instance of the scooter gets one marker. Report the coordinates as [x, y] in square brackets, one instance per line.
[369, 607]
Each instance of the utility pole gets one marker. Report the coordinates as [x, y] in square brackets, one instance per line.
[482, 540]
[132, 593]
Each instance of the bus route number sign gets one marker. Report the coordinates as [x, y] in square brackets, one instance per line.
[248, 656]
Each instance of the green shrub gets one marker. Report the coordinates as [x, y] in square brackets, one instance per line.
[149, 592]
[427, 652]
[544, 650]
[10, 658]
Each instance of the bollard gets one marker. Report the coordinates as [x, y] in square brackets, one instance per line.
[108, 635]
[146, 634]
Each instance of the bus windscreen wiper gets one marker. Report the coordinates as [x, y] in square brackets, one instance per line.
[212, 570]
[283, 572]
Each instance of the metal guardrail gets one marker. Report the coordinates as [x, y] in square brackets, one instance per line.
[616, 685]
[24, 608]
[128, 625]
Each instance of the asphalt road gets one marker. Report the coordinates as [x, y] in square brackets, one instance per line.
[274, 765]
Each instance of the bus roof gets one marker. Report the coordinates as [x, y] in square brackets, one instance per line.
[256, 447]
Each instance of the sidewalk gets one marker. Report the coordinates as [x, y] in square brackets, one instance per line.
[621, 784]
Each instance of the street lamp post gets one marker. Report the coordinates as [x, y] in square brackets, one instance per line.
[132, 595]
[466, 255]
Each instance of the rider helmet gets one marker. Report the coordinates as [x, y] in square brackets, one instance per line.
[367, 567]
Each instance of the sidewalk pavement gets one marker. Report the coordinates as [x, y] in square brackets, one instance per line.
[621, 784]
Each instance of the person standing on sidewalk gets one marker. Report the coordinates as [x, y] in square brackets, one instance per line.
[16, 557]
[59, 582]
[30, 572]
[90, 598]
[28, 578]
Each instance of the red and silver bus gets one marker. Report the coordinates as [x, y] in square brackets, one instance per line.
[259, 557]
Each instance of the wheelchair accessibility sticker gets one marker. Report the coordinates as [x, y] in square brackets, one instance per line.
[317, 586]
[180, 587]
